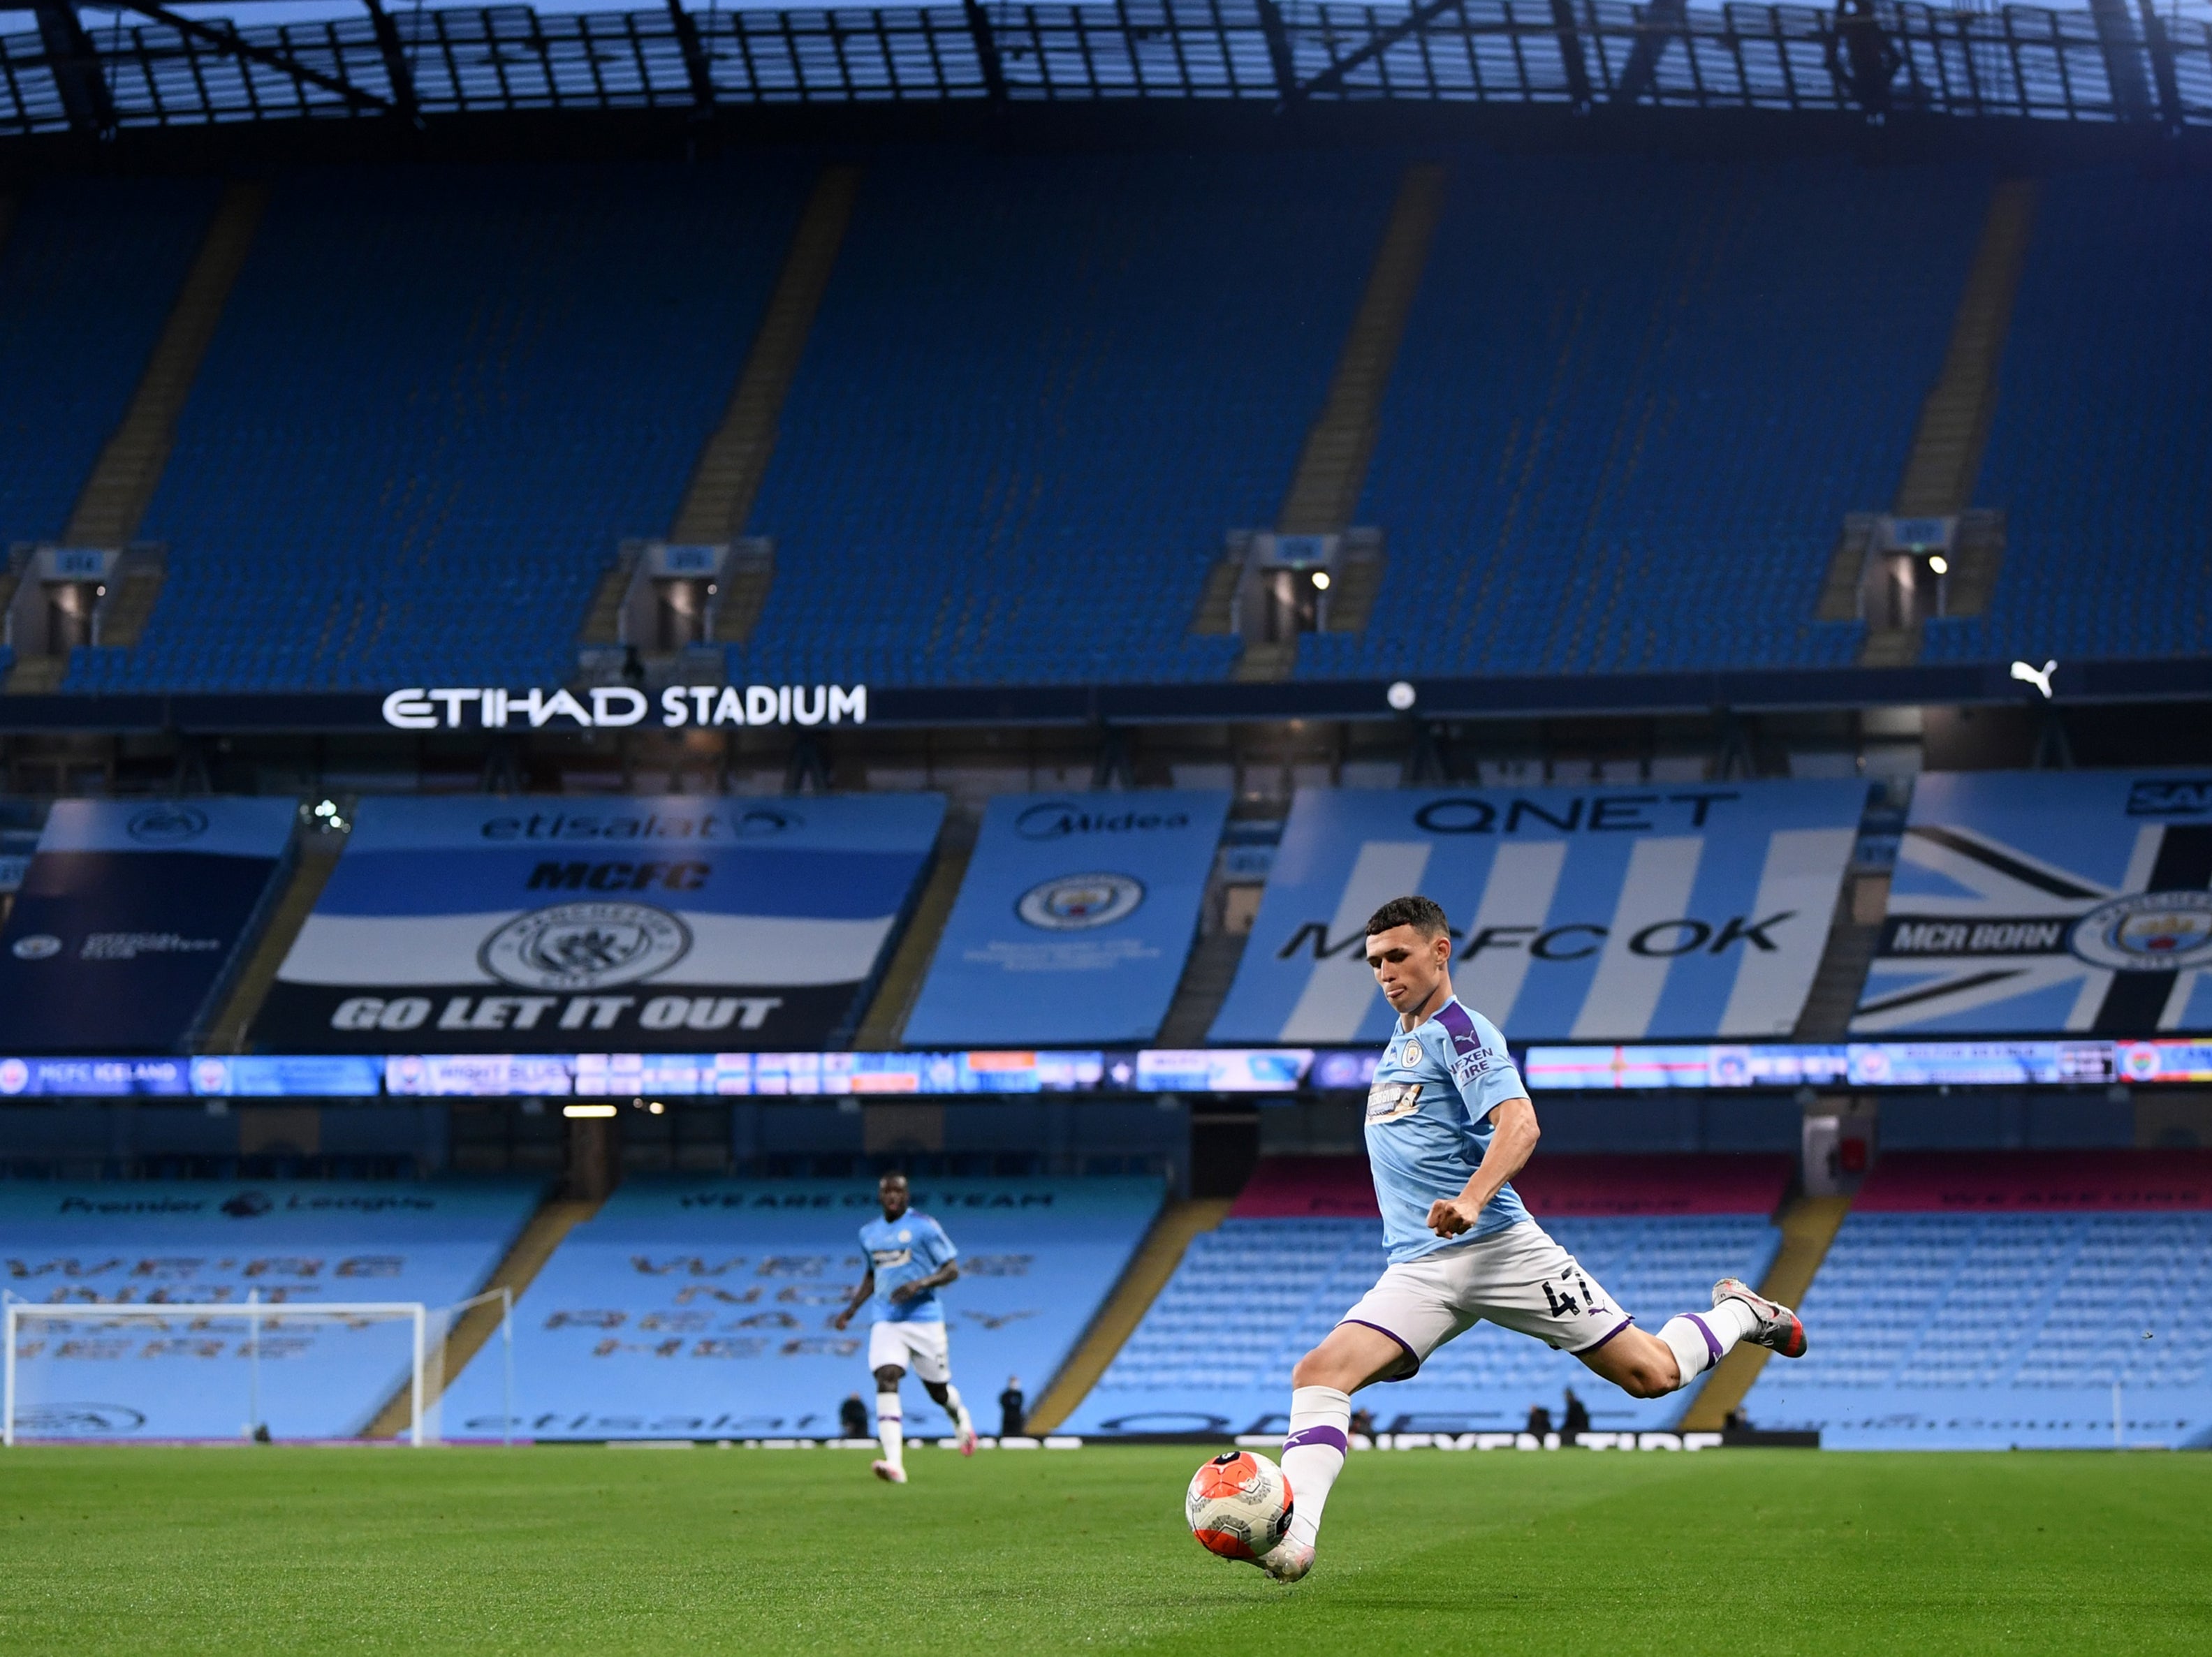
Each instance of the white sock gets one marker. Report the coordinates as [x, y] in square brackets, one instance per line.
[891, 1427]
[1313, 1454]
[959, 1411]
[1701, 1339]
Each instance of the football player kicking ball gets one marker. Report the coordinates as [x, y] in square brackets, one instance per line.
[909, 1259]
[1449, 1125]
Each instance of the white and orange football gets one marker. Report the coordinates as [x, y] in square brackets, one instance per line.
[1239, 1505]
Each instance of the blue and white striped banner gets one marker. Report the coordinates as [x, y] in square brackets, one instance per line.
[1577, 914]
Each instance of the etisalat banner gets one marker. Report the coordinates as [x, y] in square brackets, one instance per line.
[2048, 901]
[680, 923]
[1580, 914]
[122, 937]
[1074, 921]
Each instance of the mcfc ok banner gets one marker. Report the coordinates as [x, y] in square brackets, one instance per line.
[687, 923]
[122, 936]
[1074, 919]
[1577, 914]
[2048, 901]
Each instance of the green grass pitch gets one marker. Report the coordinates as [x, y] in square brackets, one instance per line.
[588, 1548]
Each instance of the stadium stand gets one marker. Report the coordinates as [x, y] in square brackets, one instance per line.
[1635, 399]
[1636, 396]
[201, 1244]
[87, 272]
[1041, 389]
[1996, 1299]
[1302, 1243]
[438, 399]
[701, 1309]
[2099, 453]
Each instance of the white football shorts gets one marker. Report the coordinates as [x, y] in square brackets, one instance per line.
[916, 1346]
[1517, 1278]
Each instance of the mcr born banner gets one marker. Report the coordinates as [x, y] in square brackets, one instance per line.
[685, 923]
[2046, 901]
[1582, 914]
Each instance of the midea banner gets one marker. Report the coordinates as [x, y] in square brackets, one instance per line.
[2048, 901]
[1589, 914]
[683, 923]
[1074, 919]
[129, 916]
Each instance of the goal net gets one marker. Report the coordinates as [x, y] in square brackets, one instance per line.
[199, 1370]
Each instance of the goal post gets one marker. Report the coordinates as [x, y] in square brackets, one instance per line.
[424, 1369]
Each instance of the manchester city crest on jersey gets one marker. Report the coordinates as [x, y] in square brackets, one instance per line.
[1070, 903]
[2147, 932]
[584, 946]
[1410, 1054]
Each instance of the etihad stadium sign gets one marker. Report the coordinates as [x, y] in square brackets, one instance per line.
[475, 707]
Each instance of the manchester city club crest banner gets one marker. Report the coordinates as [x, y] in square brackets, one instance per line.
[123, 935]
[2048, 901]
[1580, 914]
[1074, 921]
[684, 924]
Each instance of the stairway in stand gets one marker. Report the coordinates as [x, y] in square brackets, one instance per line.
[1946, 458]
[1332, 468]
[1204, 987]
[734, 458]
[113, 502]
[130, 468]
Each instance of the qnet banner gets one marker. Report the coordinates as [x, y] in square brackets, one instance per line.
[681, 924]
[1073, 918]
[129, 916]
[1584, 914]
[2048, 901]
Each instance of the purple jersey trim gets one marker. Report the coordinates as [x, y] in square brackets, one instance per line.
[1711, 1345]
[1413, 1357]
[1461, 1028]
[1609, 1334]
[1308, 1436]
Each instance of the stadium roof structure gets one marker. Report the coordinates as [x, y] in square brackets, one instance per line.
[2105, 65]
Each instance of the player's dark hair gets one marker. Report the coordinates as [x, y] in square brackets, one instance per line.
[1423, 914]
[893, 1174]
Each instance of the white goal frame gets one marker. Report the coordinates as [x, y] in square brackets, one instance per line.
[255, 1310]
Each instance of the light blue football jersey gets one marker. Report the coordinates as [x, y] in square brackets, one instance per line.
[1428, 1126]
[911, 1246]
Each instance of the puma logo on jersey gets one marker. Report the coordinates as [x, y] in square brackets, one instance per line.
[1387, 1102]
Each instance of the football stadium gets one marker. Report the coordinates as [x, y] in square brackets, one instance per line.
[857, 828]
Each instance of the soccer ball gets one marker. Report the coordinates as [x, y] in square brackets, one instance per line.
[1239, 1505]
